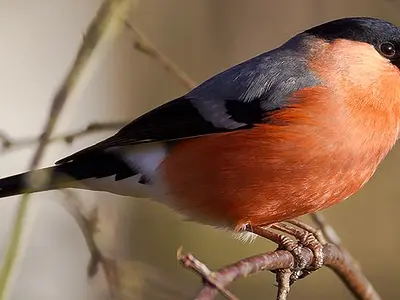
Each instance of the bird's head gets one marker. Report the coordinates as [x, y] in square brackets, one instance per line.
[377, 34]
[358, 60]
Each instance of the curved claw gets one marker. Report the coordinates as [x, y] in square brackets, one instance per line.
[306, 237]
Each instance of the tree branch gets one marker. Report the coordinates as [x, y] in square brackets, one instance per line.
[283, 281]
[327, 230]
[89, 227]
[143, 44]
[334, 238]
[7, 143]
[216, 281]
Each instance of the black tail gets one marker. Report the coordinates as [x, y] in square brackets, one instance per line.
[36, 181]
[65, 175]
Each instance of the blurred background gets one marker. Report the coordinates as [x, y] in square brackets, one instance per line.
[39, 40]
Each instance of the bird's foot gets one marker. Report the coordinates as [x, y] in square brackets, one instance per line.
[306, 236]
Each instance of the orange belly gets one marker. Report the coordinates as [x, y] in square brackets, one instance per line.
[262, 176]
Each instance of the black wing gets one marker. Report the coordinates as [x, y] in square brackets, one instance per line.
[235, 99]
[177, 119]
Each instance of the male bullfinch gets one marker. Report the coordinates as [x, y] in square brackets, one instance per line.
[286, 133]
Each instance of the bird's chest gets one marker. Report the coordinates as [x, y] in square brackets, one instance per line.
[270, 174]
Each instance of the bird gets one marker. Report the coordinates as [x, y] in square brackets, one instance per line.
[288, 132]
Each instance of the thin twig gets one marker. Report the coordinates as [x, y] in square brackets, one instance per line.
[209, 279]
[89, 227]
[327, 230]
[283, 281]
[107, 17]
[143, 44]
[9, 143]
[334, 238]
[331, 235]
[282, 259]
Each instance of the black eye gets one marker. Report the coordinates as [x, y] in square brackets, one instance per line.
[387, 49]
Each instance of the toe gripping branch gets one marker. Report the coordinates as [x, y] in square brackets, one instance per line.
[306, 237]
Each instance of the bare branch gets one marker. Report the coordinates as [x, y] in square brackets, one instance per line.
[277, 260]
[88, 226]
[326, 229]
[9, 143]
[143, 44]
[334, 238]
[189, 261]
[283, 281]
